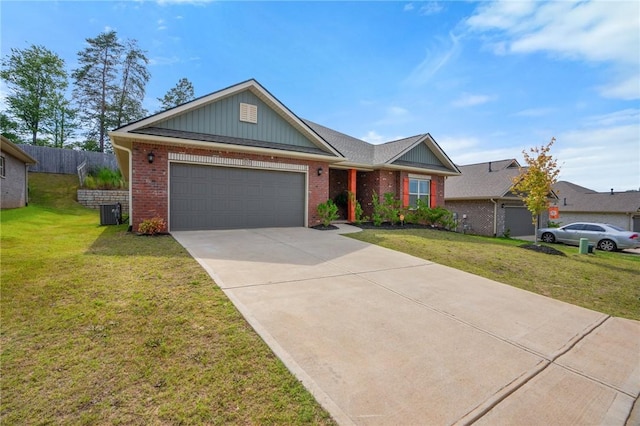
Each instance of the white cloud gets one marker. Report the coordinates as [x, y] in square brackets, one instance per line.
[436, 58]
[163, 60]
[468, 100]
[408, 7]
[373, 137]
[161, 25]
[593, 31]
[534, 112]
[431, 8]
[502, 15]
[397, 111]
[627, 89]
[601, 158]
[181, 2]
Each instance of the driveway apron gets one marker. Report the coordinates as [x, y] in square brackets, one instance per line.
[383, 338]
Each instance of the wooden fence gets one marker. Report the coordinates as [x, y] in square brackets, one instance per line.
[66, 161]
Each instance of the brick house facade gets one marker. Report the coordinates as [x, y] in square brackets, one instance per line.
[290, 165]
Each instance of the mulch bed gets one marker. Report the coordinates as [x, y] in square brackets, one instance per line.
[543, 249]
[324, 228]
[387, 225]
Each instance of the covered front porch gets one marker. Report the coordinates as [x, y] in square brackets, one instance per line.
[365, 183]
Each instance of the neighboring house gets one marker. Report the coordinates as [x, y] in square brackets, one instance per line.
[14, 167]
[483, 203]
[579, 204]
[239, 158]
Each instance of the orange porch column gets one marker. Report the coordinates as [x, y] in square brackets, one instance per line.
[351, 185]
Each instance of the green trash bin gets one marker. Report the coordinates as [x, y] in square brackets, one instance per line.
[584, 246]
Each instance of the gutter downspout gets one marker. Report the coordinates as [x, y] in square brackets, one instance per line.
[130, 184]
[495, 217]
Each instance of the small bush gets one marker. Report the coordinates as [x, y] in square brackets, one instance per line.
[328, 212]
[359, 217]
[152, 226]
[386, 211]
[376, 216]
[436, 216]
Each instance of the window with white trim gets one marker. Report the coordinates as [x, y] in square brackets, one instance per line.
[419, 189]
[2, 167]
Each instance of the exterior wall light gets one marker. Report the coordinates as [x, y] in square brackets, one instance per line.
[320, 171]
[151, 156]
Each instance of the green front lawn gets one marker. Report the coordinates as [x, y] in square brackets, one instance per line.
[102, 326]
[605, 282]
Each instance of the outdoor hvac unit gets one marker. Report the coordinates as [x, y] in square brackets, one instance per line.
[110, 214]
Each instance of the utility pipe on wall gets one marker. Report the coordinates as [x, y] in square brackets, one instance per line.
[130, 184]
[495, 216]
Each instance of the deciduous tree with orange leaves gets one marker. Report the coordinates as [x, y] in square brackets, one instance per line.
[534, 184]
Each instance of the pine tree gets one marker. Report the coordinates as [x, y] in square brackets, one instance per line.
[183, 92]
[95, 83]
[133, 81]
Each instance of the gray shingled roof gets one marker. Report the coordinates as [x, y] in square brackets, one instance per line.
[355, 150]
[361, 152]
[580, 199]
[387, 151]
[477, 182]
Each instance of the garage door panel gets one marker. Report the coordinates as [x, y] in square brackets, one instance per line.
[518, 221]
[212, 197]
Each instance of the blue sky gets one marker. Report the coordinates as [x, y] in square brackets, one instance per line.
[485, 79]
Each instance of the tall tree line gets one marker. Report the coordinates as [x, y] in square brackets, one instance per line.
[108, 91]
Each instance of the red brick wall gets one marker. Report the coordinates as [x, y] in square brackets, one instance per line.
[338, 183]
[378, 182]
[149, 182]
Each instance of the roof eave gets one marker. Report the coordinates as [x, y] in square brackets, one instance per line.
[118, 136]
[387, 166]
[15, 151]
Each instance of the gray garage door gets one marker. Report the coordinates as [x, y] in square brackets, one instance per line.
[518, 221]
[212, 197]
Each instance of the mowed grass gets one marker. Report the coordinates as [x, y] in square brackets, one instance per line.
[100, 326]
[605, 282]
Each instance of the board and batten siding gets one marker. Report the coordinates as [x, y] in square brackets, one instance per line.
[223, 118]
[421, 154]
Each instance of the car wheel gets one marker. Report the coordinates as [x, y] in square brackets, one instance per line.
[607, 245]
[548, 237]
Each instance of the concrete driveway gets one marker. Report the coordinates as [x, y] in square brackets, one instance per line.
[384, 338]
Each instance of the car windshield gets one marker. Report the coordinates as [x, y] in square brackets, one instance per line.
[617, 228]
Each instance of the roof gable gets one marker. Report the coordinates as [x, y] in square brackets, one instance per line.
[483, 181]
[419, 155]
[222, 118]
[218, 115]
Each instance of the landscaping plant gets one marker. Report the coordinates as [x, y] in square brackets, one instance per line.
[534, 184]
[104, 178]
[152, 226]
[328, 212]
[358, 212]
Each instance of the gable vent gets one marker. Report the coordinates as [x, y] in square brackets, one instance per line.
[248, 113]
